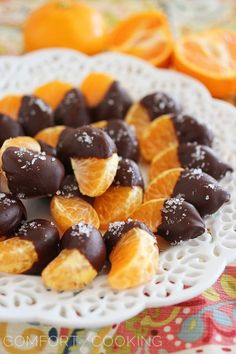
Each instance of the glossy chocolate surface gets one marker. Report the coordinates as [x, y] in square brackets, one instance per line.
[189, 130]
[31, 174]
[72, 110]
[201, 190]
[48, 149]
[9, 128]
[118, 229]
[45, 238]
[34, 115]
[192, 155]
[70, 189]
[159, 103]
[12, 213]
[89, 241]
[128, 174]
[124, 137]
[114, 104]
[85, 142]
[180, 221]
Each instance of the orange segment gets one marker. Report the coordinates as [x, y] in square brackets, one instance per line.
[50, 135]
[67, 212]
[145, 34]
[159, 135]
[164, 160]
[211, 58]
[94, 176]
[53, 92]
[95, 86]
[134, 260]
[150, 213]
[126, 200]
[10, 105]
[99, 124]
[163, 185]
[138, 117]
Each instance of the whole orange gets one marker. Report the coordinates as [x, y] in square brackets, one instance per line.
[68, 24]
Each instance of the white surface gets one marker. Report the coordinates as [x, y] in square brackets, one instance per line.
[185, 270]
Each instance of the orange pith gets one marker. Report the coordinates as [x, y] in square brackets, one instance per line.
[158, 135]
[134, 260]
[94, 176]
[138, 117]
[145, 34]
[95, 86]
[163, 185]
[53, 92]
[67, 212]
[10, 105]
[164, 160]
[126, 200]
[211, 58]
[150, 213]
[50, 135]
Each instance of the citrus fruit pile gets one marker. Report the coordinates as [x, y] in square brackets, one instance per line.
[210, 56]
[80, 147]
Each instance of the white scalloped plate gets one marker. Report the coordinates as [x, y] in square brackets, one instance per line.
[185, 270]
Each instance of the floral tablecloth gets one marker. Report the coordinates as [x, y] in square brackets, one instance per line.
[206, 324]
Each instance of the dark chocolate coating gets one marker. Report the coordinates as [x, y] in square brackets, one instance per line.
[61, 150]
[89, 241]
[114, 104]
[85, 142]
[35, 115]
[159, 103]
[45, 238]
[69, 189]
[180, 221]
[9, 128]
[128, 174]
[48, 149]
[12, 213]
[118, 229]
[189, 130]
[125, 139]
[192, 155]
[72, 110]
[201, 190]
[31, 174]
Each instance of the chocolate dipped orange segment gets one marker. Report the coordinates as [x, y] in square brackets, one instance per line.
[95, 86]
[12, 214]
[126, 192]
[53, 92]
[9, 128]
[82, 257]
[35, 244]
[10, 106]
[72, 110]
[50, 135]
[133, 254]
[163, 185]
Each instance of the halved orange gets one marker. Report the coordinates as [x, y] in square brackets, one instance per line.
[94, 176]
[144, 34]
[164, 160]
[53, 92]
[10, 105]
[95, 86]
[163, 185]
[211, 58]
[138, 117]
[67, 212]
[50, 135]
[126, 200]
[158, 135]
[134, 260]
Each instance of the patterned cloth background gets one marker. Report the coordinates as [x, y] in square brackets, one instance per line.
[206, 324]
